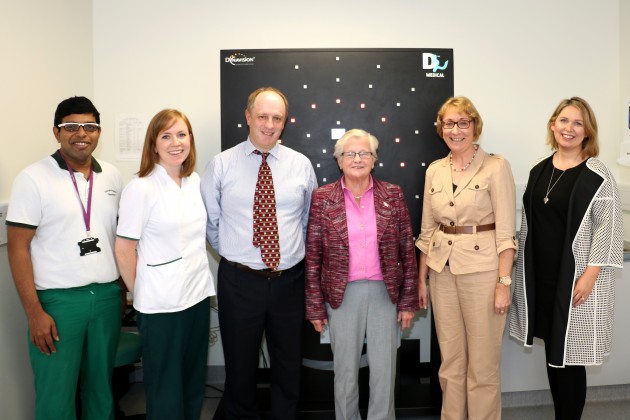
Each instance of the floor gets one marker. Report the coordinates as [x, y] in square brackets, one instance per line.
[133, 403]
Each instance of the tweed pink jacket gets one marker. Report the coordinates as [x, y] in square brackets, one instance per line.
[327, 254]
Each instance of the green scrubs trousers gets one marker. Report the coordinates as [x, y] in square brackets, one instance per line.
[88, 323]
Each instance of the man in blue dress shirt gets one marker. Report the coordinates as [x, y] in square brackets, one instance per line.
[254, 298]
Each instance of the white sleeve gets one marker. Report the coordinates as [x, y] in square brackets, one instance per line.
[136, 203]
[25, 205]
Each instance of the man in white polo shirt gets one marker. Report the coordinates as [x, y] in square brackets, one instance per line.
[61, 226]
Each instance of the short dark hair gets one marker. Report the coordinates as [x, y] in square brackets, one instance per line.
[76, 105]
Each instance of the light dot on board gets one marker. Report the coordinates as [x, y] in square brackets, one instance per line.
[318, 165]
[378, 66]
[362, 105]
[337, 58]
[383, 119]
[337, 80]
[397, 140]
[397, 103]
[239, 125]
[417, 131]
[313, 106]
[293, 120]
[323, 179]
[308, 135]
[423, 164]
[370, 86]
[297, 67]
[323, 150]
[338, 122]
[417, 196]
[402, 164]
[413, 89]
[380, 164]
[305, 86]
[338, 101]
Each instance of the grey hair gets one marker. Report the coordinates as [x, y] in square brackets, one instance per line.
[355, 132]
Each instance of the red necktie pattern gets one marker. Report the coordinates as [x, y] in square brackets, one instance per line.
[265, 220]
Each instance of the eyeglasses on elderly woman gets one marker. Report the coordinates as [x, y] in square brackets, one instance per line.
[352, 155]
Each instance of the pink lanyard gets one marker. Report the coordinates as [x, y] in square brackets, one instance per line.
[86, 213]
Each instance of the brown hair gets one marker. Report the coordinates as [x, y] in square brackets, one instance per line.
[252, 98]
[163, 120]
[462, 104]
[590, 144]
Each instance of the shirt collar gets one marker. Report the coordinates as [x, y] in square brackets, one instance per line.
[96, 167]
[343, 183]
[249, 149]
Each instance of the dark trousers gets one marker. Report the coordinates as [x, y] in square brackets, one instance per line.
[174, 359]
[568, 389]
[249, 305]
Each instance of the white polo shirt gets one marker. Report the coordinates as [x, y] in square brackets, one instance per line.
[44, 198]
[169, 223]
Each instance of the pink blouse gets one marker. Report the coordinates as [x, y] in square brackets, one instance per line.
[363, 246]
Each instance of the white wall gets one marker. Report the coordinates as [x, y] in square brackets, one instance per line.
[516, 60]
[47, 55]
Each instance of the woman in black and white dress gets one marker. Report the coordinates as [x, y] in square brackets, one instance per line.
[571, 242]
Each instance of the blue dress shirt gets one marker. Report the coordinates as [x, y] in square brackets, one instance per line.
[227, 188]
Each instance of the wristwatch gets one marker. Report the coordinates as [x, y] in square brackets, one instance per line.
[505, 280]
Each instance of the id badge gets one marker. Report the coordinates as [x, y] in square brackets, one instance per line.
[88, 246]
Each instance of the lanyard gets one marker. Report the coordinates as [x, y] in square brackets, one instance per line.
[86, 213]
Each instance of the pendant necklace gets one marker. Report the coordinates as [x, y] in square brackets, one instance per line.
[550, 187]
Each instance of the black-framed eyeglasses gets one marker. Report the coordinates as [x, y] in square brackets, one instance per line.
[73, 127]
[352, 155]
[451, 124]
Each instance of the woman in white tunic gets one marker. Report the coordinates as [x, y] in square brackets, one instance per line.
[571, 242]
[161, 253]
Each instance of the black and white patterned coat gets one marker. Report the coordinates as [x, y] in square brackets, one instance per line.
[580, 335]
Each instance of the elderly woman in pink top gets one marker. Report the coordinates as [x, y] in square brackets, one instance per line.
[360, 274]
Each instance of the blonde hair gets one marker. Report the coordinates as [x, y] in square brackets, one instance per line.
[465, 105]
[590, 144]
[355, 132]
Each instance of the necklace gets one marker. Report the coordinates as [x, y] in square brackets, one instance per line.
[450, 160]
[358, 197]
[549, 186]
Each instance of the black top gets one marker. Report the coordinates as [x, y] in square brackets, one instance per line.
[550, 219]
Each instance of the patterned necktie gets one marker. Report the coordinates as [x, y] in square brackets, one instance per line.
[265, 220]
